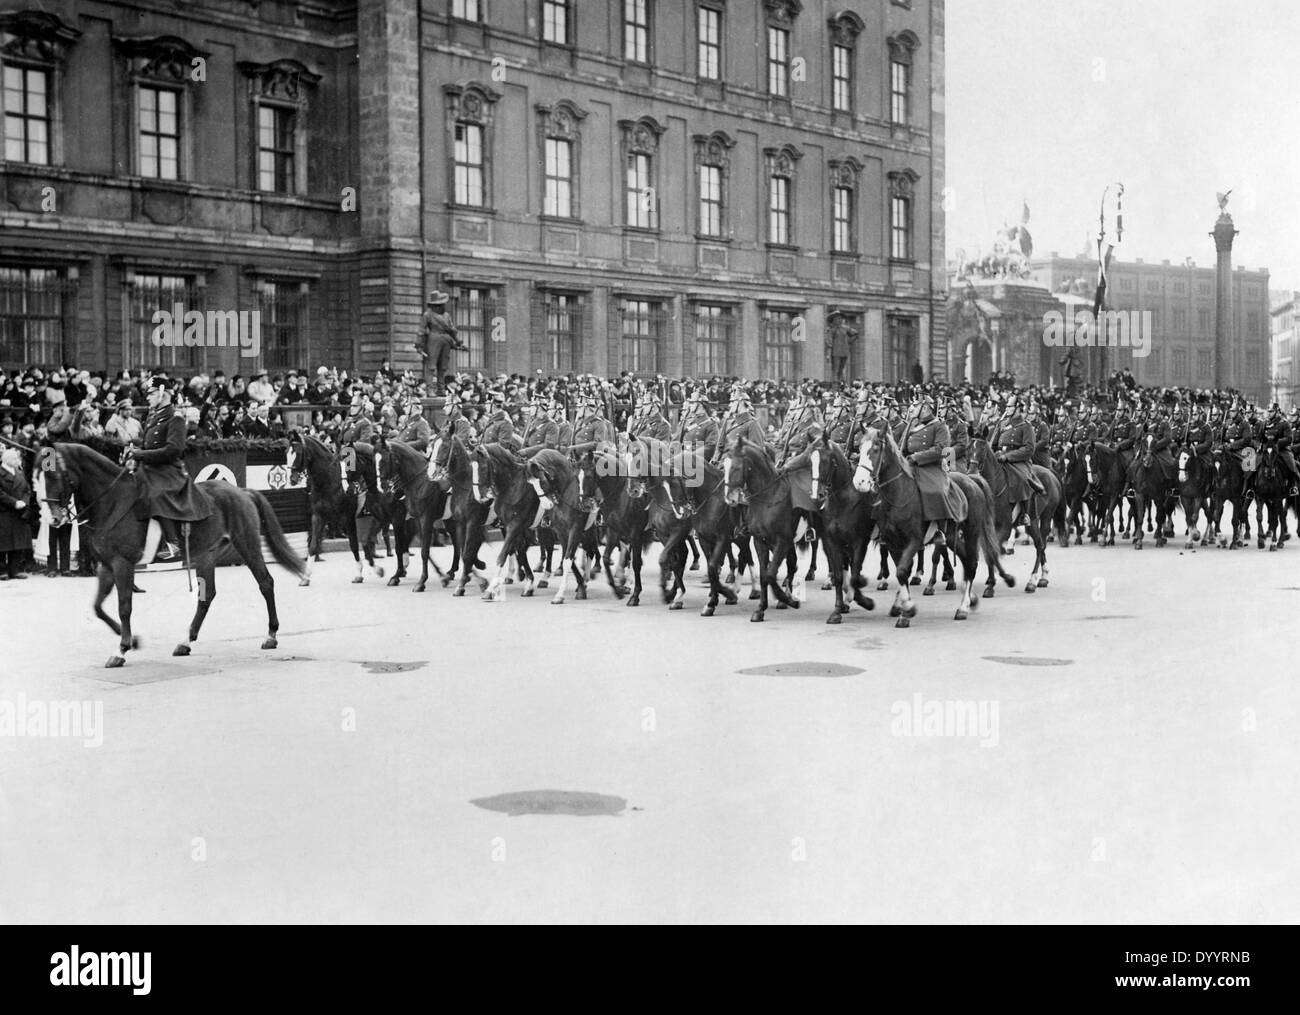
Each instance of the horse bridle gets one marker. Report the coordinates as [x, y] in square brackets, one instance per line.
[53, 456]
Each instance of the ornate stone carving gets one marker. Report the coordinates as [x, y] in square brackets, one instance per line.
[35, 36]
[166, 58]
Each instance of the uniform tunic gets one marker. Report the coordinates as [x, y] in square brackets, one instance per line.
[1016, 441]
[165, 486]
[15, 533]
[927, 442]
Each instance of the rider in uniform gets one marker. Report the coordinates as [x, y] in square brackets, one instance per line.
[698, 431]
[649, 420]
[499, 428]
[1042, 436]
[738, 422]
[1276, 432]
[958, 432]
[540, 431]
[592, 431]
[799, 422]
[416, 427]
[1014, 447]
[924, 444]
[167, 494]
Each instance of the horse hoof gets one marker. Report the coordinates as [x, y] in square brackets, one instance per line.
[270, 643]
[960, 615]
[509, 581]
[903, 622]
[379, 572]
[357, 580]
[543, 584]
[882, 586]
[394, 581]
[1260, 543]
[916, 580]
[457, 593]
[843, 608]
[894, 611]
[695, 566]
[950, 587]
[557, 602]
[418, 588]
[707, 611]
[1031, 587]
[674, 606]
[731, 578]
[869, 604]
[580, 594]
[1272, 548]
[446, 582]
[988, 592]
[181, 650]
[828, 586]
[114, 662]
[526, 594]
[755, 594]
[303, 582]
[928, 591]
[756, 617]
[794, 604]
[835, 618]
[634, 601]
[782, 606]
[1042, 583]
[319, 559]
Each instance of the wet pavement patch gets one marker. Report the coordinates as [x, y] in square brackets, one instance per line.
[553, 801]
[802, 670]
[150, 673]
[1029, 661]
[394, 667]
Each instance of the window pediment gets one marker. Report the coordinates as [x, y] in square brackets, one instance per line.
[35, 36]
[164, 58]
[280, 79]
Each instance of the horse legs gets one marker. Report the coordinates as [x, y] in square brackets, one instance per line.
[636, 553]
[835, 563]
[606, 564]
[124, 579]
[104, 579]
[904, 609]
[473, 539]
[782, 596]
[812, 557]
[882, 579]
[760, 545]
[206, 574]
[695, 552]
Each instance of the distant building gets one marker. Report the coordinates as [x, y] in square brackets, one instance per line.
[1284, 321]
[675, 186]
[1180, 299]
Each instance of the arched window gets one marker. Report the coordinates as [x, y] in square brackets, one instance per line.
[469, 121]
[902, 48]
[713, 166]
[781, 175]
[560, 127]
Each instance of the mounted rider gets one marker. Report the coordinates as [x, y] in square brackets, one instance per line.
[839, 421]
[955, 419]
[592, 431]
[800, 421]
[649, 420]
[1198, 438]
[499, 428]
[1013, 444]
[1276, 432]
[924, 444]
[738, 422]
[166, 493]
[697, 431]
[1042, 435]
[1153, 444]
[416, 427]
[540, 431]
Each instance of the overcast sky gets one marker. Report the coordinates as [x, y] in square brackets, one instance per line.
[1048, 101]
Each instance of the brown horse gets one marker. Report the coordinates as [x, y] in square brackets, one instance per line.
[750, 479]
[239, 519]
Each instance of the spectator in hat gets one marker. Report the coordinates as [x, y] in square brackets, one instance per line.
[15, 515]
[260, 391]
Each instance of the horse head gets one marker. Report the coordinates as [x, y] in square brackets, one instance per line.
[482, 475]
[589, 492]
[439, 456]
[1184, 458]
[870, 455]
[735, 473]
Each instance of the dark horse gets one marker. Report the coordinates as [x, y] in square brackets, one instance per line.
[464, 514]
[1107, 475]
[332, 504]
[1195, 492]
[406, 466]
[239, 519]
[497, 476]
[884, 472]
[1229, 490]
[843, 518]
[555, 479]
[1044, 510]
[749, 478]
[624, 509]
[1271, 490]
[1150, 488]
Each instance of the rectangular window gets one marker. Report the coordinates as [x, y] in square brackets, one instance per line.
[710, 201]
[27, 115]
[555, 22]
[284, 325]
[275, 149]
[636, 31]
[1180, 320]
[842, 78]
[558, 199]
[641, 198]
[1252, 325]
[563, 318]
[900, 247]
[1180, 288]
[1203, 289]
[469, 164]
[1203, 321]
[473, 312]
[778, 206]
[710, 44]
[35, 314]
[842, 220]
[900, 86]
[1203, 363]
[714, 327]
[1180, 364]
[1153, 285]
[903, 348]
[151, 293]
[1126, 284]
[465, 10]
[160, 133]
[643, 323]
[780, 354]
[778, 62]
[1252, 365]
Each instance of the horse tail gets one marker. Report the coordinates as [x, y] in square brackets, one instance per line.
[275, 538]
[988, 536]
